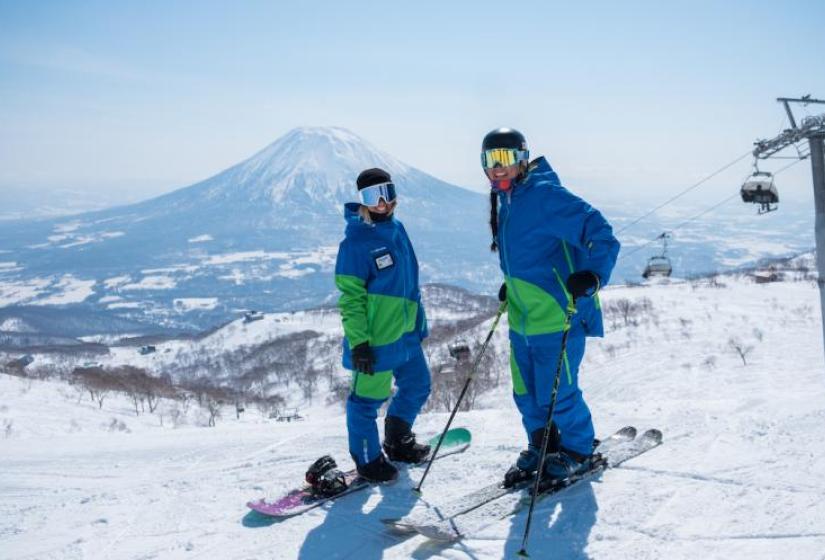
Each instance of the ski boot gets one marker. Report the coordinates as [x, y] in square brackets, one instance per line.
[400, 444]
[378, 470]
[325, 479]
[525, 467]
[564, 465]
[528, 460]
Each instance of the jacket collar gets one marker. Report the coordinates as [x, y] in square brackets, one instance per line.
[355, 222]
[539, 169]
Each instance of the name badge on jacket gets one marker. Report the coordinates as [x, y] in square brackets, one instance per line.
[384, 261]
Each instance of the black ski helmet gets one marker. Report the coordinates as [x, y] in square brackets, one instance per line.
[504, 138]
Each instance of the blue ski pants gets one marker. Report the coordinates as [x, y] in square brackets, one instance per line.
[369, 392]
[533, 369]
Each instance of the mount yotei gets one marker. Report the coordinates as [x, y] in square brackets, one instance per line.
[262, 234]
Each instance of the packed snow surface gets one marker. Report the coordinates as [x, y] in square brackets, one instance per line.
[739, 474]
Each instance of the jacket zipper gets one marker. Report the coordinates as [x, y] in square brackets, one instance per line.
[403, 250]
[507, 269]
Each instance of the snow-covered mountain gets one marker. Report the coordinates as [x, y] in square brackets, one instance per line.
[262, 234]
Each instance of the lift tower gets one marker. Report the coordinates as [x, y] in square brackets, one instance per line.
[813, 129]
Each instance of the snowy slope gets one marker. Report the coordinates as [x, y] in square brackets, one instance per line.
[739, 474]
[265, 348]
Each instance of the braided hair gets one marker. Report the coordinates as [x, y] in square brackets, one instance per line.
[494, 220]
[523, 170]
[512, 139]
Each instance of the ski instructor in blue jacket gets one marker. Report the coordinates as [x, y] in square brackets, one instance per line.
[553, 248]
[384, 324]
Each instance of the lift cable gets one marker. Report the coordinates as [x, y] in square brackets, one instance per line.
[687, 190]
[706, 211]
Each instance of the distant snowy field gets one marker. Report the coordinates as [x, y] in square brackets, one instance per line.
[740, 474]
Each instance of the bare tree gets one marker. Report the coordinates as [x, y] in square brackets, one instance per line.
[629, 311]
[185, 398]
[740, 348]
[308, 382]
[96, 381]
[213, 406]
[172, 411]
[448, 381]
[758, 334]
[339, 391]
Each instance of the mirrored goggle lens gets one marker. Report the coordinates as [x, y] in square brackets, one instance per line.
[371, 196]
[501, 157]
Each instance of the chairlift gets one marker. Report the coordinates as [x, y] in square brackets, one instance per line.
[288, 415]
[659, 265]
[760, 189]
[460, 350]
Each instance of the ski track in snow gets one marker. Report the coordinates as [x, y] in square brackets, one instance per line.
[720, 486]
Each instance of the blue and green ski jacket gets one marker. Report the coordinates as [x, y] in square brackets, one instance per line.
[545, 234]
[380, 303]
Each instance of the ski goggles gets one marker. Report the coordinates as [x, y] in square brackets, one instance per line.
[371, 196]
[502, 157]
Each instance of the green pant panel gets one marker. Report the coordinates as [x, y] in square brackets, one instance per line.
[519, 387]
[377, 386]
[518, 382]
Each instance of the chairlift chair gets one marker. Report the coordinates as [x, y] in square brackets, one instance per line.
[760, 189]
[459, 350]
[658, 266]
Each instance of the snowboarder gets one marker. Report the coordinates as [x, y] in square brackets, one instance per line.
[384, 324]
[553, 248]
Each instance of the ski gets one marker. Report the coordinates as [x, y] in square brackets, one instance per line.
[478, 498]
[302, 499]
[457, 527]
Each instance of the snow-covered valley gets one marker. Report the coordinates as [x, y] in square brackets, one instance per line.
[738, 475]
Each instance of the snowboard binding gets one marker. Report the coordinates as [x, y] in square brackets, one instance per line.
[325, 478]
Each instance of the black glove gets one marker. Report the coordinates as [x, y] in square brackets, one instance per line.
[362, 358]
[582, 284]
[502, 293]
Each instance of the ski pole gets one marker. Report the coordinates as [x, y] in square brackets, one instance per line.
[476, 362]
[571, 309]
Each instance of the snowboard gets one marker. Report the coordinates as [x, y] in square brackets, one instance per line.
[302, 499]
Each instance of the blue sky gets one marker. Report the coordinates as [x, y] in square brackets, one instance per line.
[636, 97]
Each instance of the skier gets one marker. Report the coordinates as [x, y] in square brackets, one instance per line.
[384, 324]
[553, 248]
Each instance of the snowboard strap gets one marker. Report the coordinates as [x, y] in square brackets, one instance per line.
[324, 477]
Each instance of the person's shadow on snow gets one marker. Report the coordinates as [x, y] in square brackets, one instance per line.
[560, 528]
[349, 532]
